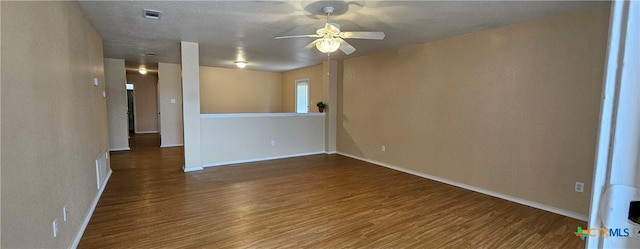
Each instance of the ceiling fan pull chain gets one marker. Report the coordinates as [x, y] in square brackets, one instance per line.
[328, 64]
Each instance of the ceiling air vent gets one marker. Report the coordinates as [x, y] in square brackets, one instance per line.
[152, 14]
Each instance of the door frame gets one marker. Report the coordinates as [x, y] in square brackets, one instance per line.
[616, 176]
[133, 109]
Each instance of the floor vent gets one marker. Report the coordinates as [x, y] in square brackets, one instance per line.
[101, 169]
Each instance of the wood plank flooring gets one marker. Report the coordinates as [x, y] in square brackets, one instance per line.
[321, 201]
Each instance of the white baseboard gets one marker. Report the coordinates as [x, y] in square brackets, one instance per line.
[261, 159]
[191, 169]
[170, 145]
[476, 189]
[146, 132]
[92, 208]
[331, 152]
[119, 149]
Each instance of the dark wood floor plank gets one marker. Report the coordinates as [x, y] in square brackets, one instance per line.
[320, 201]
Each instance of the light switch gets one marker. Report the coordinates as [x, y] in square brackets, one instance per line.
[173, 101]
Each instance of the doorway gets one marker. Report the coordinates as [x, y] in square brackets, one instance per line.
[130, 108]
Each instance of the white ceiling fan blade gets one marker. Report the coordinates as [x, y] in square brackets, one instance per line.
[296, 36]
[346, 47]
[313, 43]
[363, 35]
[331, 28]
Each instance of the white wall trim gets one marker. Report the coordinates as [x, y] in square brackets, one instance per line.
[476, 189]
[170, 145]
[146, 132]
[191, 169]
[119, 149]
[92, 208]
[135, 111]
[260, 115]
[261, 159]
[331, 152]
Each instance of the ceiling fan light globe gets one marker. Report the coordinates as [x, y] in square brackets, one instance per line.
[334, 46]
[328, 45]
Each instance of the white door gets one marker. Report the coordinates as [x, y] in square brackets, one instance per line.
[302, 96]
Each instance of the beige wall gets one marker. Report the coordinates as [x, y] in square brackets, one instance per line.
[512, 110]
[314, 74]
[247, 137]
[146, 101]
[170, 87]
[115, 77]
[225, 90]
[54, 121]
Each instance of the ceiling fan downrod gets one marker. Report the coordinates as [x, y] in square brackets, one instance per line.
[328, 10]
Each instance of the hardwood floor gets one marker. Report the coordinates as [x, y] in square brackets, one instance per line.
[321, 201]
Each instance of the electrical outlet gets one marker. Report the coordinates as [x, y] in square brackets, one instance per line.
[383, 148]
[65, 213]
[273, 143]
[55, 228]
[579, 187]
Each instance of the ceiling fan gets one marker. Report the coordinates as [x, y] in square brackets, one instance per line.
[330, 38]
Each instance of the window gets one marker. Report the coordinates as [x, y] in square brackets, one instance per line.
[302, 96]
[130, 86]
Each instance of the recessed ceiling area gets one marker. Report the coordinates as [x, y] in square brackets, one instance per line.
[134, 66]
[230, 31]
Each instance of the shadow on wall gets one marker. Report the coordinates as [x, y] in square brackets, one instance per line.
[345, 138]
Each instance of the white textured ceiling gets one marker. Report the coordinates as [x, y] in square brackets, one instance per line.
[243, 30]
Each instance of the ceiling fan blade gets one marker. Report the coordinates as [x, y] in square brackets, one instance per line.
[346, 47]
[363, 35]
[331, 28]
[313, 43]
[296, 36]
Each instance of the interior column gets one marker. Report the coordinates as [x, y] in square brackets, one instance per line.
[191, 106]
[333, 75]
